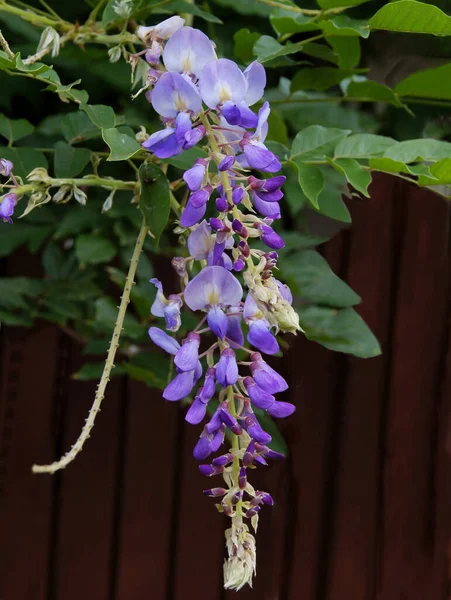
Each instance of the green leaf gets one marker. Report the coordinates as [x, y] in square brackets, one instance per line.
[94, 249]
[21, 234]
[321, 51]
[70, 161]
[154, 198]
[372, 90]
[420, 149]
[178, 6]
[78, 127]
[339, 3]
[278, 149]
[277, 129]
[122, 146]
[15, 290]
[91, 371]
[14, 129]
[331, 205]
[186, 159]
[347, 49]
[340, 330]
[409, 16]
[287, 22]
[102, 116]
[150, 368]
[354, 173]
[75, 220]
[268, 48]
[320, 78]
[363, 145]
[24, 159]
[314, 282]
[311, 181]
[441, 170]
[106, 314]
[316, 141]
[430, 83]
[243, 44]
[344, 25]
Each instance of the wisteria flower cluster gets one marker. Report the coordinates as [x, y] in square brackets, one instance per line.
[202, 97]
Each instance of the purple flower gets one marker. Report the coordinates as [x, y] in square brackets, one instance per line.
[270, 237]
[201, 197]
[227, 369]
[226, 163]
[162, 31]
[202, 246]
[167, 308]
[6, 167]
[188, 51]
[180, 387]
[173, 94]
[213, 286]
[7, 206]
[222, 81]
[258, 396]
[163, 340]
[217, 321]
[259, 334]
[234, 332]
[192, 215]
[194, 177]
[256, 81]
[280, 410]
[172, 140]
[256, 153]
[187, 356]
[265, 376]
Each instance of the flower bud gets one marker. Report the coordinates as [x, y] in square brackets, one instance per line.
[6, 167]
[221, 204]
[226, 163]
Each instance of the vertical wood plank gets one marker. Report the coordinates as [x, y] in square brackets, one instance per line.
[354, 540]
[26, 436]
[146, 521]
[418, 338]
[83, 557]
[198, 548]
[314, 388]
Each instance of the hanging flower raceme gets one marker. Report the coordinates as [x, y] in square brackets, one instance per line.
[8, 201]
[225, 280]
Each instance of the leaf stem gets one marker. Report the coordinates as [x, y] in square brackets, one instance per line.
[109, 364]
[4, 44]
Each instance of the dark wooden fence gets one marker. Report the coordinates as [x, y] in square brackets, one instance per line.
[363, 506]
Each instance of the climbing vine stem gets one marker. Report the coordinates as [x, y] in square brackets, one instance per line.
[109, 364]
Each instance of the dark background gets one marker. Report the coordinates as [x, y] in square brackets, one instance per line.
[363, 501]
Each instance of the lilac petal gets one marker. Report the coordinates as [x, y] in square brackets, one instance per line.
[172, 317]
[222, 80]
[153, 53]
[198, 372]
[163, 340]
[200, 241]
[160, 302]
[274, 183]
[207, 470]
[267, 378]
[167, 28]
[180, 387]
[182, 127]
[194, 177]
[214, 423]
[256, 80]
[259, 158]
[234, 332]
[188, 51]
[260, 337]
[173, 94]
[218, 251]
[262, 125]
[227, 369]
[230, 422]
[250, 309]
[193, 136]
[200, 198]
[226, 262]
[209, 387]
[237, 195]
[213, 286]
[272, 239]
[226, 163]
[6, 167]
[256, 432]
[217, 321]
[274, 196]
[192, 215]
[258, 396]
[196, 412]
[221, 204]
[275, 166]
[218, 439]
[187, 357]
[285, 291]
[7, 206]
[163, 143]
[280, 410]
[231, 113]
[267, 209]
[202, 449]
